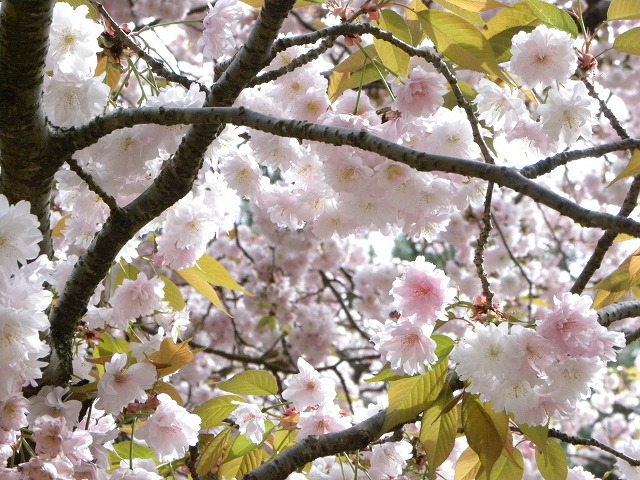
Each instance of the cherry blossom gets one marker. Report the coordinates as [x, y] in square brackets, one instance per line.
[423, 291]
[407, 345]
[308, 388]
[421, 93]
[250, 420]
[542, 57]
[120, 385]
[169, 430]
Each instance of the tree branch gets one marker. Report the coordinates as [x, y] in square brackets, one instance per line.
[173, 183]
[349, 440]
[618, 311]
[27, 165]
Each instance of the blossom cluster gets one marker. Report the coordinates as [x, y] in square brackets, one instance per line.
[421, 294]
[540, 373]
[312, 288]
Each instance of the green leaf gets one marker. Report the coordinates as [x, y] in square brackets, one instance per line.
[109, 345]
[172, 294]
[386, 375]
[628, 42]
[410, 396]
[444, 345]
[392, 57]
[553, 17]
[214, 411]
[470, 16]
[252, 382]
[126, 271]
[127, 452]
[468, 466]
[508, 22]
[487, 431]
[198, 280]
[237, 467]
[357, 60]
[460, 41]
[537, 434]
[213, 453]
[339, 82]
[508, 467]
[217, 275]
[552, 463]
[242, 445]
[438, 431]
[623, 10]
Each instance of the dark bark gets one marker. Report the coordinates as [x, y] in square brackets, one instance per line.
[26, 162]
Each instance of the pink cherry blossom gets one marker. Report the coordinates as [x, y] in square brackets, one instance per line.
[423, 290]
[542, 57]
[308, 388]
[406, 345]
[327, 418]
[169, 430]
[120, 385]
[421, 93]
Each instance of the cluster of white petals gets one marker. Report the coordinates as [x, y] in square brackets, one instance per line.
[541, 373]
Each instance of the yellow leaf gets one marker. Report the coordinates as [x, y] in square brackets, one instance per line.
[217, 275]
[628, 42]
[469, 15]
[553, 462]
[237, 467]
[634, 269]
[509, 466]
[631, 170]
[198, 280]
[461, 42]
[392, 57]
[537, 434]
[60, 226]
[468, 466]
[172, 294]
[439, 429]
[623, 10]
[487, 431]
[410, 396]
[604, 298]
[163, 387]
[171, 357]
[213, 453]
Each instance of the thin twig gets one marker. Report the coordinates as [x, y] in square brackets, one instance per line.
[92, 184]
[157, 67]
[483, 238]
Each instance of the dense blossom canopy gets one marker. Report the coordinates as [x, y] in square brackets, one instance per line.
[321, 240]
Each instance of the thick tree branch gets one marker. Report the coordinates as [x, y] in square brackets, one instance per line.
[27, 165]
[173, 183]
[349, 440]
[618, 311]
[503, 176]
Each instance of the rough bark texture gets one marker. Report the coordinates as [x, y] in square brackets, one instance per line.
[27, 164]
